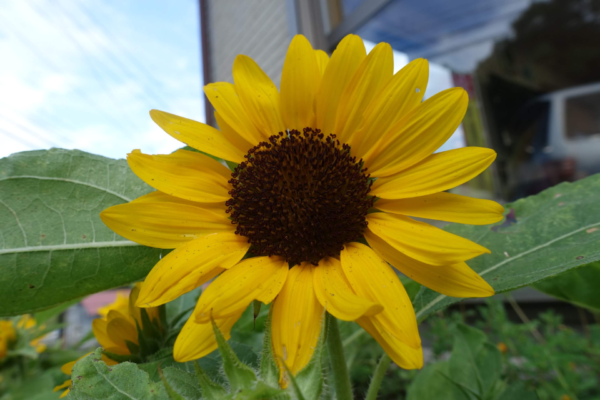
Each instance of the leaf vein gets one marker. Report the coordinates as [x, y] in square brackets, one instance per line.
[509, 260]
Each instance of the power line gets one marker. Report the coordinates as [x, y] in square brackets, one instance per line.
[132, 75]
[41, 56]
[116, 41]
[96, 72]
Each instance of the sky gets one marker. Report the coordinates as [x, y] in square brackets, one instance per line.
[83, 74]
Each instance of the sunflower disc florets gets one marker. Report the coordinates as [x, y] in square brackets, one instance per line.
[300, 196]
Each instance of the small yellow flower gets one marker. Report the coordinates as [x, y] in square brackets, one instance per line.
[303, 197]
[502, 347]
[9, 330]
[8, 335]
[121, 304]
[116, 327]
[27, 322]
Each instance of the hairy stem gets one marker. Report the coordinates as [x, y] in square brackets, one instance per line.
[382, 366]
[341, 379]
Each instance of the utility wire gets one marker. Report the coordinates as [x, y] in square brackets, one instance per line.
[97, 72]
[84, 96]
[125, 69]
[136, 66]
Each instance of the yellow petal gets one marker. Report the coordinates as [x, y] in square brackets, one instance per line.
[232, 136]
[225, 100]
[198, 340]
[422, 241]
[258, 278]
[322, 60]
[373, 73]
[64, 385]
[296, 320]
[197, 135]
[164, 225]
[372, 278]
[456, 280]
[419, 134]
[445, 207]
[135, 311]
[402, 354]
[160, 197]
[108, 361]
[67, 368]
[99, 327]
[436, 173]
[190, 265]
[344, 62]
[120, 330]
[300, 80]
[258, 95]
[186, 174]
[335, 295]
[402, 94]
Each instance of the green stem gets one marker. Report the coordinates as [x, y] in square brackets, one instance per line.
[341, 379]
[382, 367]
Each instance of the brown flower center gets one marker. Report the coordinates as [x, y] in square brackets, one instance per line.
[302, 197]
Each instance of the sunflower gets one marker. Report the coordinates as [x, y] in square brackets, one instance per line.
[11, 330]
[341, 157]
[28, 323]
[116, 331]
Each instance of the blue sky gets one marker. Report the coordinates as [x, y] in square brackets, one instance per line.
[84, 74]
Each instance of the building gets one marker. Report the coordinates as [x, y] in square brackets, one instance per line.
[531, 68]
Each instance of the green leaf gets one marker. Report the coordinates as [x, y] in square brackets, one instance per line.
[261, 392]
[269, 372]
[43, 316]
[210, 389]
[579, 286]
[489, 362]
[256, 306]
[239, 374]
[542, 236]
[518, 391]
[180, 309]
[463, 362]
[38, 388]
[54, 247]
[173, 395]
[430, 384]
[473, 370]
[181, 383]
[92, 378]
[232, 165]
[412, 287]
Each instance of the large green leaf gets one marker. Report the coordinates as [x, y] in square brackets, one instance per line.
[578, 287]
[93, 379]
[542, 236]
[53, 245]
[473, 372]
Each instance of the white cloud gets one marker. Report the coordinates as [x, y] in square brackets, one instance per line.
[84, 74]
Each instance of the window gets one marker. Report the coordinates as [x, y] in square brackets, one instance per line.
[583, 116]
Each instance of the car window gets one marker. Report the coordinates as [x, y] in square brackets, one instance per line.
[583, 116]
